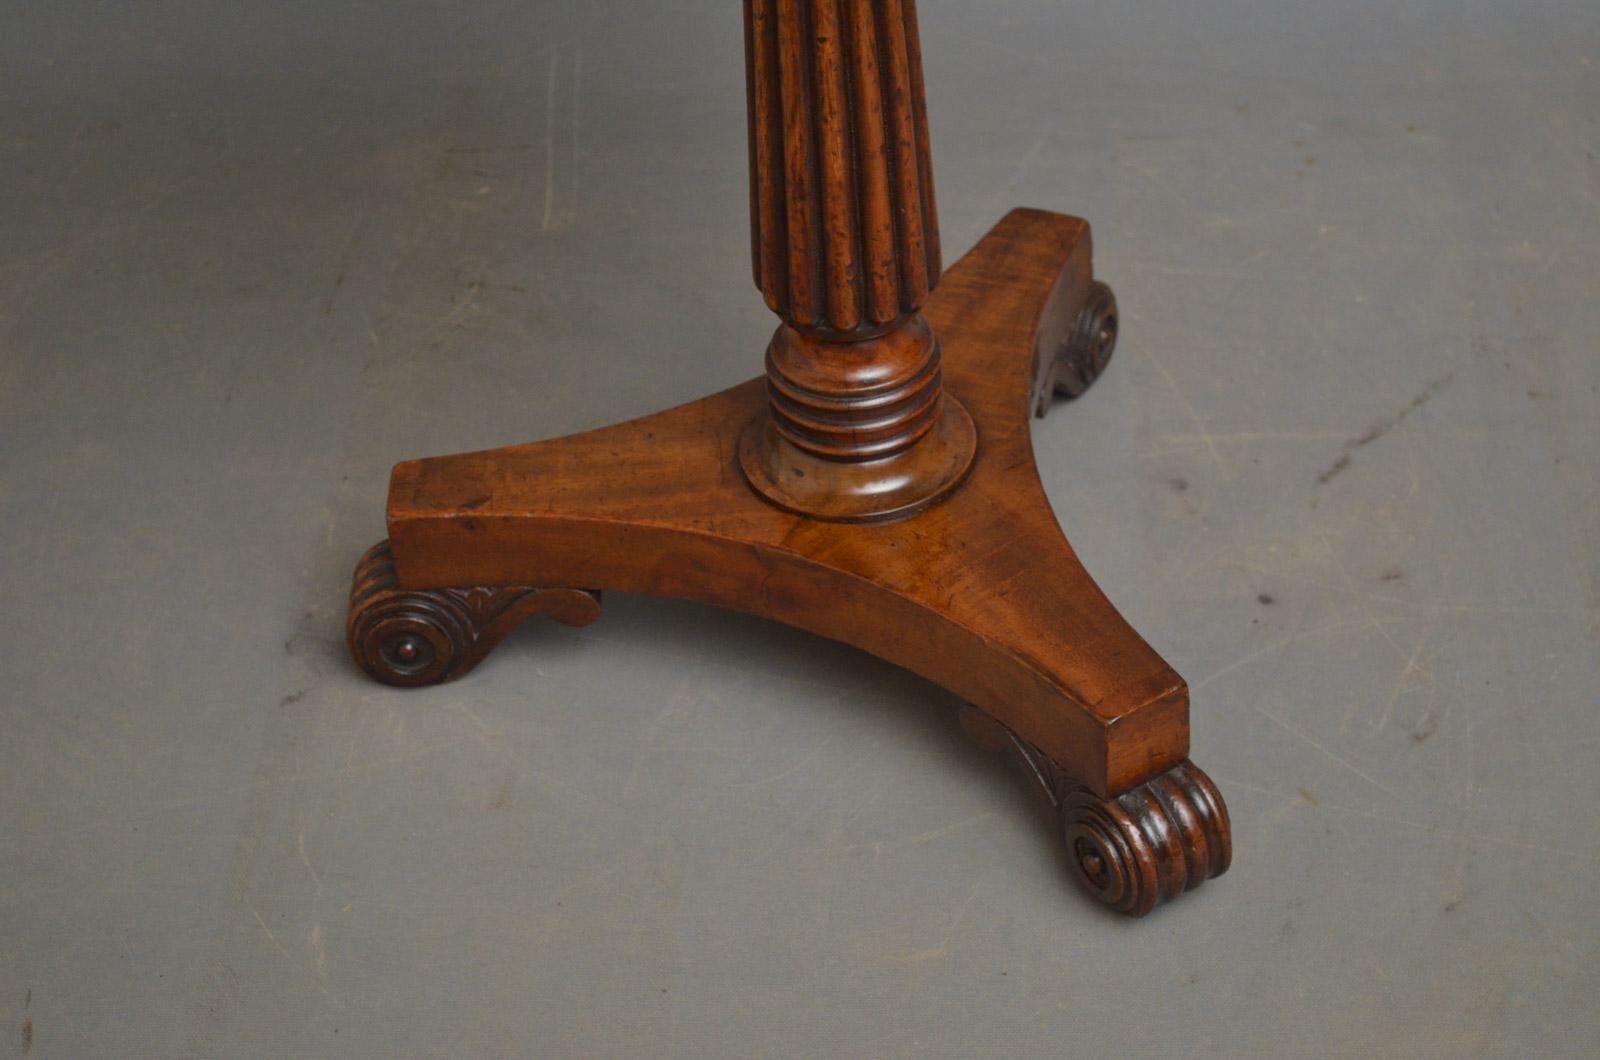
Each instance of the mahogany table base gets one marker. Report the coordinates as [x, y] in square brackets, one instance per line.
[980, 592]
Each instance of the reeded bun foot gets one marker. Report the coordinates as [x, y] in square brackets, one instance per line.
[1135, 851]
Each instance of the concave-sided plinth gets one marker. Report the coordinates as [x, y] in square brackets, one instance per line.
[876, 486]
[980, 592]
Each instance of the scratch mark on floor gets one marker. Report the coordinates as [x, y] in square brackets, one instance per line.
[1381, 428]
[1266, 649]
[797, 764]
[1362, 599]
[1402, 683]
[1389, 819]
[550, 143]
[300, 846]
[274, 939]
[346, 260]
[1251, 437]
[930, 953]
[1204, 435]
[1203, 271]
[954, 826]
[1351, 766]
[577, 125]
[491, 737]
[318, 952]
[680, 697]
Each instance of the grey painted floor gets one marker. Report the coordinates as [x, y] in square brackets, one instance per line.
[1345, 473]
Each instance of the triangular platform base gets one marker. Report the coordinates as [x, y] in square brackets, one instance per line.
[980, 593]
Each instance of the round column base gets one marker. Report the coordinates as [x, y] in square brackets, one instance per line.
[860, 491]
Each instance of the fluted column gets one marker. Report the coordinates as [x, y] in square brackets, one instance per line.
[844, 226]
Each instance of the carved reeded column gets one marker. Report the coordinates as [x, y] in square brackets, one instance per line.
[846, 249]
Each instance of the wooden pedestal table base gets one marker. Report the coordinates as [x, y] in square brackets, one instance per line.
[979, 592]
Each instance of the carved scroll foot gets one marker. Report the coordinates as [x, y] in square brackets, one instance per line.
[1133, 852]
[416, 637]
[1083, 353]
